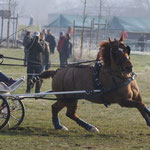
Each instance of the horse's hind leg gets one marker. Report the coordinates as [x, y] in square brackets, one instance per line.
[71, 113]
[56, 108]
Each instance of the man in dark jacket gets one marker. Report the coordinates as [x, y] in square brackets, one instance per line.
[51, 40]
[46, 52]
[34, 62]
[26, 41]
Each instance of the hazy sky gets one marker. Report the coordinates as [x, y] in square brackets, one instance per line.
[40, 9]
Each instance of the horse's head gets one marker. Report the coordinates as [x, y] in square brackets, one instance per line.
[120, 55]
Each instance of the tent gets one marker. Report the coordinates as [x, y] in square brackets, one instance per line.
[64, 21]
[134, 26]
[130, 24]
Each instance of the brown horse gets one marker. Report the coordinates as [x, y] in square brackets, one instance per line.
[115, 70]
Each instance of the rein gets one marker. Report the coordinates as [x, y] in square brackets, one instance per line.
[37, 64]
[15, 33]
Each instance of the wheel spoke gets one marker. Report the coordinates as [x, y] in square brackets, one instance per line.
[18, 109]
[14, 117]
[17, 113]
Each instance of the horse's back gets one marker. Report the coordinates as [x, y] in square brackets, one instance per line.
[73, 78]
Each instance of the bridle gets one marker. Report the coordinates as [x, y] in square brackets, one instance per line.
[121, 61]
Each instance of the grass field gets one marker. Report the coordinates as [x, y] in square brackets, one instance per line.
[120, 128]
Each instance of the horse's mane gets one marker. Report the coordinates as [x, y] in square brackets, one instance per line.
[105, 53]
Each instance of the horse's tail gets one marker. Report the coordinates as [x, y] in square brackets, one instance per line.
[47, 74]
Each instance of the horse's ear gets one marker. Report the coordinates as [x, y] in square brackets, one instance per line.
[109, 40]
[128, 50]
[122, 39]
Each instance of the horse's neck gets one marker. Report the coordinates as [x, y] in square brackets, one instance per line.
[109, 69]
[114, 72]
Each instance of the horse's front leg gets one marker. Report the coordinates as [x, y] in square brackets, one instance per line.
[71, 113]
[56, 108]
[145, 111]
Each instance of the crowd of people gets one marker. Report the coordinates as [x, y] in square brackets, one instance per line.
[37, 50]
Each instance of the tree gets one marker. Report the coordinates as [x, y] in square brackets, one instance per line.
[83, 26]
[101, 2]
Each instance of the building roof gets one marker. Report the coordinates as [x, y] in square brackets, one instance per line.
[130, 24]
[67, 20]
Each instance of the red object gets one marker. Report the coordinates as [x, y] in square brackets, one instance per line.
[61, 43]
[124, 33]
[70, 31]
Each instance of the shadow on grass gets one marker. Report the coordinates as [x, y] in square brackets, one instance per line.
[27, 131]
[34, 131]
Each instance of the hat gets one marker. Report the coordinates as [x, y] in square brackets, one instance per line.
[61, 33]
[28, 32]
[44, 30]
[36, 34]
[41, 33]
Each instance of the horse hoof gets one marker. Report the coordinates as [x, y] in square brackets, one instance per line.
[147, 111]
[64, 128]
[148, 123]
[94, 129]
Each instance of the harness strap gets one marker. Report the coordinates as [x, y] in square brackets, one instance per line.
[63, 81]
[114, 80]
[73, 79]
[96, 82]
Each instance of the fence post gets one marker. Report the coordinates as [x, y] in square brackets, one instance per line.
[91, 35]
[8, 24]
[2, 28]
[16, 33]
[73, 38]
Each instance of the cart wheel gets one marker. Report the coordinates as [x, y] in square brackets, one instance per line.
[4, 112]
[17, 113]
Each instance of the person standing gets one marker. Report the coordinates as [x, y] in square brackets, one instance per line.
[68, 45]
[70, 31]
[142, 42]
[26, 41]
[46, 52]
[61, 41]
[44, 31]
[34, 67]
[64, 49]
[51, 40]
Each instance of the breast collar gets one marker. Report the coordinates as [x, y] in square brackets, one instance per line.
[98, 85]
